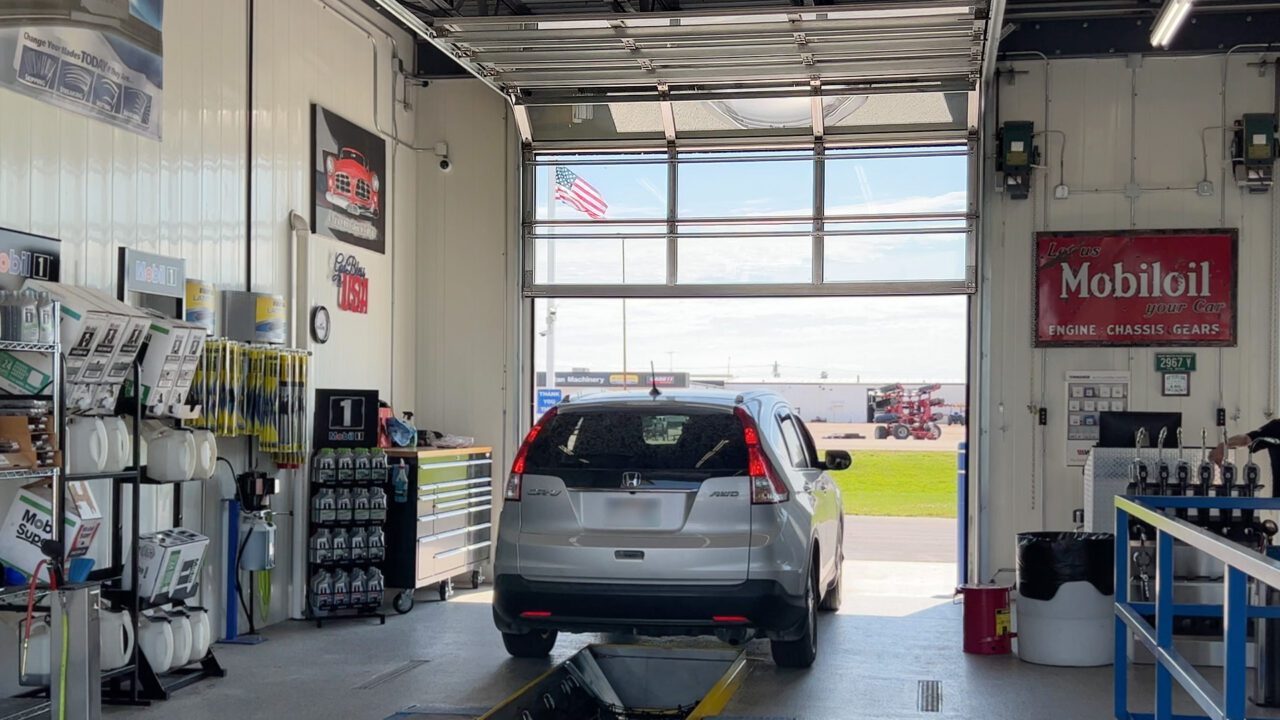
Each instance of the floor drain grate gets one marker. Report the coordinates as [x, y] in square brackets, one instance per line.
[929, 697]
[395, 672]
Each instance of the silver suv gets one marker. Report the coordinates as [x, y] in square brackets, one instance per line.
[680, 513]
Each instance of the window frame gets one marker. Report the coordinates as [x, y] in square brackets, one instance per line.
[787, 426]
[814, 152]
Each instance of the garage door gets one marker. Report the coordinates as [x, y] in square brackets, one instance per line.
[730, 148]
[856, 48]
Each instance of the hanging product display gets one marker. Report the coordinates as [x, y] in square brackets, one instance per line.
[255, 390]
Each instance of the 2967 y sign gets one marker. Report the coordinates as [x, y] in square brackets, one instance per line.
[1149, 288]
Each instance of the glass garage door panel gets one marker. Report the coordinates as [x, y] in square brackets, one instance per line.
[913, 256]
[601, 121]
[781, 254]
[745, 185]
[888, 183]
[631, 189]
[608, 254]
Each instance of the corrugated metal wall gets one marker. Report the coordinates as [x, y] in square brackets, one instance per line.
[96, 188]
[1110, 112]
[467, 279]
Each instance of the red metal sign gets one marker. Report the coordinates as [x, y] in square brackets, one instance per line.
[1136, 287]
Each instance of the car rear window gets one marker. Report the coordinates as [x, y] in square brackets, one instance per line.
[596, 448]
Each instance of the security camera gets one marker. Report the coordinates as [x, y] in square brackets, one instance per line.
[445, 165]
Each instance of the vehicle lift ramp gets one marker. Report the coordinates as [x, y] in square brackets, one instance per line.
[624, 682]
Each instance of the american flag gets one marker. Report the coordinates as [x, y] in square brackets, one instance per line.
[578, 194]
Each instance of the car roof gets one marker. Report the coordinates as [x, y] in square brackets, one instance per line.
[694, 396]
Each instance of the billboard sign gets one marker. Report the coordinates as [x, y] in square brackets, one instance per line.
[1137, 288]
[100, 58]
[617, 379]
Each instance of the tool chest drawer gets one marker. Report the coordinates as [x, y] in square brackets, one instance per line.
[440, 521]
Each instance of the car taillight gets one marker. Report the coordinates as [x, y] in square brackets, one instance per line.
[767, 487]
[511, 491]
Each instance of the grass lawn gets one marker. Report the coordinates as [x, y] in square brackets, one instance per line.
[900, 484]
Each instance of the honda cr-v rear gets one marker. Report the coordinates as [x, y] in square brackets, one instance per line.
[681, 514]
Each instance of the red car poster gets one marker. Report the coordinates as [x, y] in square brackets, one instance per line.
[1145, 288]
[350, 181]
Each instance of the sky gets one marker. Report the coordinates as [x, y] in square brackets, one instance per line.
[855, 338]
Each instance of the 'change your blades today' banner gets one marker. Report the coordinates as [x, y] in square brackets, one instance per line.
[99, 58]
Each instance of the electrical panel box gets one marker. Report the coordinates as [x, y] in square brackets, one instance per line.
[1254, 154]
[1018, 154]
[1259, 139]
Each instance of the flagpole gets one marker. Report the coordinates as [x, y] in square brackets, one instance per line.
[624, 314]
[551, 278]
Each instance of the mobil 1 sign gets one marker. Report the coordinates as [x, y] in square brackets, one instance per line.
[1139, 288]
[346, 418]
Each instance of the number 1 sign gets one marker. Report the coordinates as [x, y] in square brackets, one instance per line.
[346, 418]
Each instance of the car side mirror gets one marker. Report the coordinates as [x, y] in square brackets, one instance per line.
[839, 460]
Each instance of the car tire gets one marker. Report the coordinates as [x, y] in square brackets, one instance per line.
[801, 652]
[533, 644]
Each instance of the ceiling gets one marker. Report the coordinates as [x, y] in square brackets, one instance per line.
[1076, 28]
[600, 61]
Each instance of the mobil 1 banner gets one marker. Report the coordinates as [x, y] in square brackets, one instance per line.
[1138, 288]
[23, 256]
[99, 58]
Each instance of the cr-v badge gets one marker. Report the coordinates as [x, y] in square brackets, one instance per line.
[540, 492]
[630, 479]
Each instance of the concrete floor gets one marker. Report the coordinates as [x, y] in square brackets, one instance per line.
[930, 540]
[896, 629]
[872, 656]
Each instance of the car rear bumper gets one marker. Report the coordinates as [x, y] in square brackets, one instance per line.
[646, 609]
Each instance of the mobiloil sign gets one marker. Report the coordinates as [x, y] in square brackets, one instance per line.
[1139, 288]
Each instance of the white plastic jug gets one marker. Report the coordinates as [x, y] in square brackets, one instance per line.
[86, 445]
[201, 633]
[155, 637]
[119, 444]
[181, 626]
[206, 454]
[116, 648]
[171, 456]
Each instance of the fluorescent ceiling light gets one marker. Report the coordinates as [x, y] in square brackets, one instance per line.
[1168, 21]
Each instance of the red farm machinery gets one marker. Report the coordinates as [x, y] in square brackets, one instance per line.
[903, 413]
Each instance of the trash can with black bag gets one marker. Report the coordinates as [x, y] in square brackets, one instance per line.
[1066, 598]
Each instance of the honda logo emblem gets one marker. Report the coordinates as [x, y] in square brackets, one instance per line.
[630, 479]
